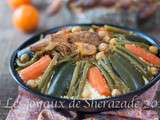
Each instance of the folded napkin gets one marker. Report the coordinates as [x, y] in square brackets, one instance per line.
[26, 108]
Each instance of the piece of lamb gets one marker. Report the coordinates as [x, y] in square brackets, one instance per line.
[51, 41]
[86, 37]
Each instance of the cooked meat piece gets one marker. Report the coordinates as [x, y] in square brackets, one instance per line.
[85, 36]
[64, 41]
[39, 45]
[86, 49]
[65, 48]
[61, 36]
[50, 41]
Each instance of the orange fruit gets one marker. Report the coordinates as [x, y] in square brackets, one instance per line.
[26, 18]
[17, 3]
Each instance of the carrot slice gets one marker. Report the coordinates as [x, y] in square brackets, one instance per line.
[97, 80]
[36, 69]
[141, 52]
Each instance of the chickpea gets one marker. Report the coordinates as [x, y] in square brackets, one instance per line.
[153, 49]
[106, 39]
[113, 41]
[86, 90]
[102, 33]
[24, 58]
[32, 83]
[76, 29]
[91, 30]
[153, 70]
[100, 55]
[103, 47]
[115, 92]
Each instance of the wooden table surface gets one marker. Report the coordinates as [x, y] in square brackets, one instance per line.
[10, 38]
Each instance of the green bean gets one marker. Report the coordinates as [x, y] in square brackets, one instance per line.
[146, 81]
[133, 42]
[19, 68]
[68, 58]
[133, 61]
[121, 39]
[133, 56]
[83, 79]
[48, 73]
[108, 79]
[76, 86]
[118, 82]
[47, 82]
[118, 30]
[127, 72]
[143, 63]
[74, 78]
[73, 91]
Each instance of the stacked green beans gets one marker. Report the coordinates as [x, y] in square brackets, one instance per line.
[79, 79]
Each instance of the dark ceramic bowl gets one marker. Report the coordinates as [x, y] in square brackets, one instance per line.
[99, 105]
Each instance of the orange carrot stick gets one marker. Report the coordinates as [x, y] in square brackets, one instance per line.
[96, 79]
[36, 69]
[141, 52]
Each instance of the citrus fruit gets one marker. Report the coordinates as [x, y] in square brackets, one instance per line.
[26, 18]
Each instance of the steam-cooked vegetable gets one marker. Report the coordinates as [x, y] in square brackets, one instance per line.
[96, 79]
[74, 80]
[118, 83]
[61, 80]
[129, 74]
[133, 61]
[83, 79]
[36, 69]
[46, 77]
[117, 30]
[140, 52]
[108, 78]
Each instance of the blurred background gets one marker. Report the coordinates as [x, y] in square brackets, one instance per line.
[20, 19]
